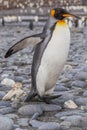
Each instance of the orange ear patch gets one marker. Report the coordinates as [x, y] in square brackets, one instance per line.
[53, 12]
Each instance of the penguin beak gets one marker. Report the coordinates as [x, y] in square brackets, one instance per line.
[71, 15]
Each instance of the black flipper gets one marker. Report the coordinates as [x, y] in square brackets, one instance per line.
[27, 41]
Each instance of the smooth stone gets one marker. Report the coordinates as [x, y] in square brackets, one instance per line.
[77, 121]
[6, 123]
[65, 125]
[64, 97]
[44, 125]
[21, 129]
[69, 113]
[36, 123]
[37, 108]
[81, 101]
[79, 83]
[5, 103]
[12, 116]
[23, 122]
[6, 110]
[82, 75]
[60, 88]
[29, 110]
[85, 94]
[2, 94]
[7, 82]
[50, 126]
[70, 104]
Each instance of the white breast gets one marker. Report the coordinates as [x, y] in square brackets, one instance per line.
[53, 60]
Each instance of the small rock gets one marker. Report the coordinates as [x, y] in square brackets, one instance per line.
[38, 108]
[82, 75]
[79, 83]
[65, 125]
[44, 125]
[50, 126]
[69, 113]
[36, 124]
[6, 123]
[60, 88]
[2, 94]
[85, 94]
[7, 82]
[5, 103]
[29, 110]
[81, 101]
[6, 110]
[70, 104]
[12, 116]
[77, 121]
[23, 122]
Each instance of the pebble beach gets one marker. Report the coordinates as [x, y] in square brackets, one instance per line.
[69, 111]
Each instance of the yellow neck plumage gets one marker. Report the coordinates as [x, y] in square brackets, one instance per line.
[61, 23]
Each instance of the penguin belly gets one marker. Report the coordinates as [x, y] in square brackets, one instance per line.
[53, 60]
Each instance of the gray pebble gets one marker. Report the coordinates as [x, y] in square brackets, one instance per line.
[50, 126]
[77, 121]
[65, 125]
[6, 123]
[81, 75]
[5, 103]
[6, 110]
[69, 113]
[36, 123]
[23, 122]
[12, 116]
[81, 101]
[2, 94]
[85, 94]
[60, 88]
[79, 83]
[37, 108]
[29, 110]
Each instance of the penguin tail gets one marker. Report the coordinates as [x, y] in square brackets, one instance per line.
[28, 41]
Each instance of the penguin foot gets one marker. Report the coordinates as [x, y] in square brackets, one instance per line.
[30, 96]
[48, 98]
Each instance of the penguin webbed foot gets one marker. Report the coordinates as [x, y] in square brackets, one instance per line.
[29, 96]
[48, 99]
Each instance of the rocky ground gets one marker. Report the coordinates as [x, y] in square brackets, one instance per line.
[69, 111]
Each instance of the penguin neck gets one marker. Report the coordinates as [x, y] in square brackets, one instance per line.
[61, 23]
[49, 24]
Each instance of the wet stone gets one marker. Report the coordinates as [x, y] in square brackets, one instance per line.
[8, 123]
[85, 94]
[65, 125]
[7, 82]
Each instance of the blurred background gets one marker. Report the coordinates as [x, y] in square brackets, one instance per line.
[37, 10]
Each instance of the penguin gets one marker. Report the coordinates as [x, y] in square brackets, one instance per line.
[51, 51]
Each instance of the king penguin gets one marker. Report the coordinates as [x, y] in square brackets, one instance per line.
[51, 51]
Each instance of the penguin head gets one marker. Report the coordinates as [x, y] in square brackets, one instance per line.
[60, 14]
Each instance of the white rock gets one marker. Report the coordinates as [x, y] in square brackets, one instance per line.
[7, 82]
[70, 104]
